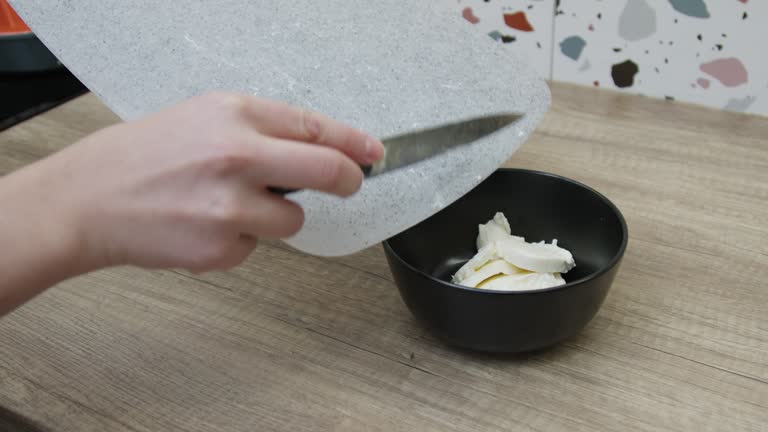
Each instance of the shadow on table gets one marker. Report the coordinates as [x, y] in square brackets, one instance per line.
[11, 421]
[544, 353]
[552, 353]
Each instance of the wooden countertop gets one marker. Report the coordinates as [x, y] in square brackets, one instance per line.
[297, 343]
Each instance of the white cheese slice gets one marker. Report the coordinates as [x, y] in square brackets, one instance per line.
[490, 269]
[535, 257]
[483, 256]
[494, 230]
[522, 282]
[508, 263]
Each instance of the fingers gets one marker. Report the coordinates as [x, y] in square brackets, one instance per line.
[232, 255]
[296, 165]
[292, 123]
[238, 227]
[270, 216]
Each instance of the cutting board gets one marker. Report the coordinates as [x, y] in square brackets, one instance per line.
[385, 66]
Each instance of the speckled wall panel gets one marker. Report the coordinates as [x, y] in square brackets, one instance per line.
[385, 66]
[710, 52]
[524, 26]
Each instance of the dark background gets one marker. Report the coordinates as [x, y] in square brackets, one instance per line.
[23, 95]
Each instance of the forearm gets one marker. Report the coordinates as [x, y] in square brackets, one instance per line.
[39, 246]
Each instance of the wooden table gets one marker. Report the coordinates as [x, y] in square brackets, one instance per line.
[297, 343]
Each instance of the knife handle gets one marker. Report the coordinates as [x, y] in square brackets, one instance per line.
[283, 191]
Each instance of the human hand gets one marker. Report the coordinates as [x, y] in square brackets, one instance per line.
[187, 187]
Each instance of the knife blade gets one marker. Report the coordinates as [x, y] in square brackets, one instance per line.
[412, 147]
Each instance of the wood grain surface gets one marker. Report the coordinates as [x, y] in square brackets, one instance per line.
[289, 342]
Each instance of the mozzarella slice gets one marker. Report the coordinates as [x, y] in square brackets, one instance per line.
[483, 256]
[490, 269]
[494, 230]
[522, 282]
[508, 263]
[535, 257]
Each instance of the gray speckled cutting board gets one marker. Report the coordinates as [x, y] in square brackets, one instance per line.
[384, 66]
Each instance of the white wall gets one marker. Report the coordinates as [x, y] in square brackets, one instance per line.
[709, 52]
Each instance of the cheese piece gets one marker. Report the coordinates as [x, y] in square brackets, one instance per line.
[508, 263]
[536, 257]
[483, 256]
[494, 230]
[522, 282]
[490, 269]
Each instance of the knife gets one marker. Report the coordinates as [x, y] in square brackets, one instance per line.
[406, 149]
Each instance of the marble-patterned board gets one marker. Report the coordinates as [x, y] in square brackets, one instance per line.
[709, 52]
[384, 66]
[523, 26]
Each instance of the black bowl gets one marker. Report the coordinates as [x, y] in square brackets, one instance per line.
[539, 206]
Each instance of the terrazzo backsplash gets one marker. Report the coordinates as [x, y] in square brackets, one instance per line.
[708, 52]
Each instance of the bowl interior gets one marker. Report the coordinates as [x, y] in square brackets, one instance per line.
[538, 206]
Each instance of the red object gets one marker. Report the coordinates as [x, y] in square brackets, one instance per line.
[518, 21]
[470, 16]
[10, 22]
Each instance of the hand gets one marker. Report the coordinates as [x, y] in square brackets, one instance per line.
[186, 187]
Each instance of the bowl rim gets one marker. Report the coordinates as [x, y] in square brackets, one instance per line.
[611, 264]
